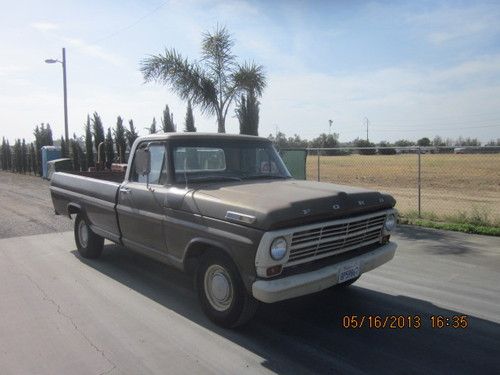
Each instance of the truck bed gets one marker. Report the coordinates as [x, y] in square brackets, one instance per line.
[96, 191]
[102, 175]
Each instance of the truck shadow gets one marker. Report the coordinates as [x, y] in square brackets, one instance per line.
[442, 242]
[306, 335]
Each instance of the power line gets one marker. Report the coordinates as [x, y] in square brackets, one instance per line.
[131, 25]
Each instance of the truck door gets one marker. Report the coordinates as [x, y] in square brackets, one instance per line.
[140, 205]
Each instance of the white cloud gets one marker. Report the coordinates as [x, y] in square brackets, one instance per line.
[44, 26]
[9, 70]
[94, 50]
[445, 24]
[236, 8]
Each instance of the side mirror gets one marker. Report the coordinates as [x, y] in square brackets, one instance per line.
[142, 161]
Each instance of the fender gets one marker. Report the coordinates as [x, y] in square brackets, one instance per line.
[198, 245]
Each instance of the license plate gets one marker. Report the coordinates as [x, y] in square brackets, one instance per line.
[348, 272]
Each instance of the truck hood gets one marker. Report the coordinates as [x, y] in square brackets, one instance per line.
[283, 203]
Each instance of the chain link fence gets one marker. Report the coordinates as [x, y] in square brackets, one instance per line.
[438, 183]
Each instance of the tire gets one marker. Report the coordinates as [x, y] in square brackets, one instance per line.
[88, 243]
[345, 284]
[221, 292]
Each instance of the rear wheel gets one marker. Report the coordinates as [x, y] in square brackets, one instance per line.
[221, 292]
[89, 244]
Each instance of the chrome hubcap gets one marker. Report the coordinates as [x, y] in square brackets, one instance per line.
[83, 233]
[218, 287]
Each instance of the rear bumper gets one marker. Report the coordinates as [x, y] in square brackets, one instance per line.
[311, 282]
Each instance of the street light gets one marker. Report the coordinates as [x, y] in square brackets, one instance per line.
[63, 62]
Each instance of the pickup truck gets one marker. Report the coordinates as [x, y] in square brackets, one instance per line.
[225, 209]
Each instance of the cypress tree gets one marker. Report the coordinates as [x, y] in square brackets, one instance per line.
[48, 135]
[167, 121]
[98, 133]
[189, 123]
[110, 154]
[2, 154]
[24, 156]
[152, 129]
[32, 159]
[74, 154]
[131, 134]
[82, 161]
[8, 154]
[89, 149]
[16, 161]
[43, 137]
[120, 140]
[64, 148]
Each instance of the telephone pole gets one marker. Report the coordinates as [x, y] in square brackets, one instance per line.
[330, 127]
[367, 123]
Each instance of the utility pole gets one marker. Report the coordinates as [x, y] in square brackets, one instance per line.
[367, 123]
[330, 127]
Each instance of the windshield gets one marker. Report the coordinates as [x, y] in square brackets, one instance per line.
[237, 160]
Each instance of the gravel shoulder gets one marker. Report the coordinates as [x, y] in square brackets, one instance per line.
[26, 207]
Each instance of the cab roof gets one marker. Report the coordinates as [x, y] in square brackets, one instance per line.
[179, 135]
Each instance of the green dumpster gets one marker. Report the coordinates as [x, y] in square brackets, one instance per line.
[295, 161]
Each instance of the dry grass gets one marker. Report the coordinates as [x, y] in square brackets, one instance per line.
[451, 184]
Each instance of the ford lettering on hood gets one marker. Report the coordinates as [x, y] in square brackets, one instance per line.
[278, 203]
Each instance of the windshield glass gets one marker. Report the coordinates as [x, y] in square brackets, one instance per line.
[204, 160]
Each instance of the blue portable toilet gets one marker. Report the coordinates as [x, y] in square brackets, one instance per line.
[49, 153]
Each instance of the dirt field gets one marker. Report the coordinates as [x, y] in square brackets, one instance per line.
[450, 183]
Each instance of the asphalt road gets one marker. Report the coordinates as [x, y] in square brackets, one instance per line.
[126, 314]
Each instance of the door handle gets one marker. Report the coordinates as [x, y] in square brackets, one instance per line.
[124, 190]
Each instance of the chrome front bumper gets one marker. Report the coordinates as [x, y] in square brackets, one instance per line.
[311, 282]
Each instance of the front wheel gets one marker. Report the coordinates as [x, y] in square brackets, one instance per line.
[221, 292]
[88, 243]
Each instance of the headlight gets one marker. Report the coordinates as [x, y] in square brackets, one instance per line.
[390, 222]
[278, 248]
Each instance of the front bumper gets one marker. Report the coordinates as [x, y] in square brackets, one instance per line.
[311, 282]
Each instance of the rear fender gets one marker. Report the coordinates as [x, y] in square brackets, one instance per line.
[73, 209]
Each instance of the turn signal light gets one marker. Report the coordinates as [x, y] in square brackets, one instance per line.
[273, 271]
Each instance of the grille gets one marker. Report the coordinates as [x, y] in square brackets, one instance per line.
[327, 240]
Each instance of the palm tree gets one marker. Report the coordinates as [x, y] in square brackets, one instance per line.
[211, 83]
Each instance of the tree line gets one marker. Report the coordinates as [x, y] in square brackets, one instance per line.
[84, 151]
[383, 147]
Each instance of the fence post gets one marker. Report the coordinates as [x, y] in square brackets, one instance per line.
[318, 165]
[419, 184]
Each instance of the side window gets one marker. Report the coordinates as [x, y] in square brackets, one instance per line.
[158, 172]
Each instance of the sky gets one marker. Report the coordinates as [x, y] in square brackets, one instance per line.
[413, 69]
